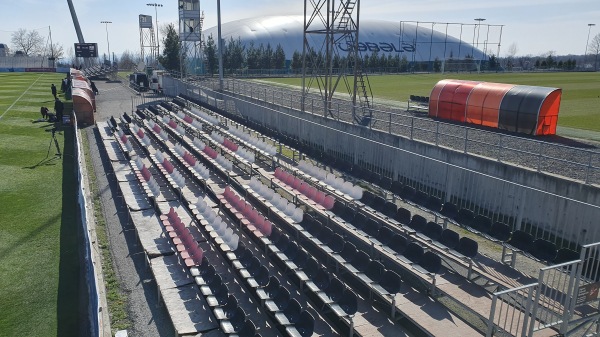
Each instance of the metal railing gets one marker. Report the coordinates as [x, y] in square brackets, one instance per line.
[578, 163]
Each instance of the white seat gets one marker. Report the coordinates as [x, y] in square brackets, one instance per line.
[298, 215]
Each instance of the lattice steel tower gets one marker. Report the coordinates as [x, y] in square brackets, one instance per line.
[148, 45]
[331, 37]
[190, 35]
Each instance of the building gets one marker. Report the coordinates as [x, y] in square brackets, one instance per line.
[416, 43]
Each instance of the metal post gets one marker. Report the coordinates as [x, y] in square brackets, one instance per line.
[437, 133]
[466, 138]
[412, 125]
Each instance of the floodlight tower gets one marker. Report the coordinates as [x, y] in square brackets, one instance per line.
[190, 33]
[331, 33]
[149, 49]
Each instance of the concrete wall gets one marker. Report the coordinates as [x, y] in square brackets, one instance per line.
[557, 206]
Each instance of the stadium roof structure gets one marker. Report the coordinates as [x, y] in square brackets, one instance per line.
[417, 43]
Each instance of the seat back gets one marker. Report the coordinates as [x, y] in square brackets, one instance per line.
[482, 223]
[379, 203]
[398, 243]
[306, 324]
[247, 330]
[273, 286]
[372, 227]
[349, 302]
[391, 281]
[403, 216]
[521, 240]
[292, 311]
[468, 247]
[566, 255]
[417, 223]
[500, 231]
[431, 262]
[337, 244]
[349, 252]
[434, 203]
[414, 252]
[384, 235]
[361, 261]
[375, 271]
[433, 231]
[465, 217]
[449, 238]
[322, 279]
[449, 210]
[312, 267]
[238, 318]
[282, 298]
[543, 250]
[336, 289]
[389, 209]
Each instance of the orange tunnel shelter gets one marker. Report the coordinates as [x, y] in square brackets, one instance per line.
[516, 108]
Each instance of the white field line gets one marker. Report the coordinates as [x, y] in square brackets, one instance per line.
[15, 102]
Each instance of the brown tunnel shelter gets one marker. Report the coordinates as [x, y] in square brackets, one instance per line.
[517, 108]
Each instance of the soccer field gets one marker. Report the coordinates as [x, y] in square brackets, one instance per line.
[39, 266]
[579, 105]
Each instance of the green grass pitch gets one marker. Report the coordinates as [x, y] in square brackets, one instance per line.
[39, 264]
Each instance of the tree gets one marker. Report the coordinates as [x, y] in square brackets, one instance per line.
[127, 62]
[594, 48]
[296, 60]
[510, 57]
[279, 57]
[171, 53]
[210, 54]
[27, 42]
[493, 62]
[56, 51]
[437, 65]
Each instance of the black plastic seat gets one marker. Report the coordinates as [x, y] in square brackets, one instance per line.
[247, 330]
[420, 198]
[398, 243]
[449, 238]
[273, 287]
[300, 259]
[361, 261]
[482, 223]
[254, 267]
[321, 280]
[449, 210]
[140, 114]
[349, 252]
[385, 235]
[521, 240]
[349, 302]
[220, 296]
[378, 203]
[467, 247]
[337, 244]
[316, 228]
[336, 289]
[500, 231]
[262, 278]
[408, 193]
[292, 311]
[565, 255]
[113, 123]
[543, 250]
[391, 281]
[375, 271]
[367, 198]
[414, 252]
[325, 236]
[359, 221]
[389, 209]
[312, 268]
[431, 262]
[464, 217]
[417, 223]
[235, 323]
[126, 117]
[282, 298]
[375, 178]
[434, 203]
[347, 214]
[306, 324]
[386, 183]
[433, 231]
[397, 187]
[372, 227]
[403, 216]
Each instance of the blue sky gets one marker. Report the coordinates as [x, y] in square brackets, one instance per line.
[534, 26]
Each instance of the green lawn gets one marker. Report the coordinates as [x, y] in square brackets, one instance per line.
[39, 267]
[579, 106]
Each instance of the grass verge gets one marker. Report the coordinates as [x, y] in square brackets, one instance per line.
[117, 300]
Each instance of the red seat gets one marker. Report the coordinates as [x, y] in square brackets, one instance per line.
[319, 197]
[267, 228]
[188, 119]
[168, 166]
[328, 202]
[146, 173]
[124, 139]
[278, 172]
[140, 133]
[173, 124]
[156, 128]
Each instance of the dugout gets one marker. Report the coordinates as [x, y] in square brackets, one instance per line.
[517, 108]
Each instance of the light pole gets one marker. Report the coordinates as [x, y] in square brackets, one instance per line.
[155, 5]
[107, 42]
[220, 44]
[590, 25]
[479, 20]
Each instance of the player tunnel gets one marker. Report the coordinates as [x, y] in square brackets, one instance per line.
[516, 108]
